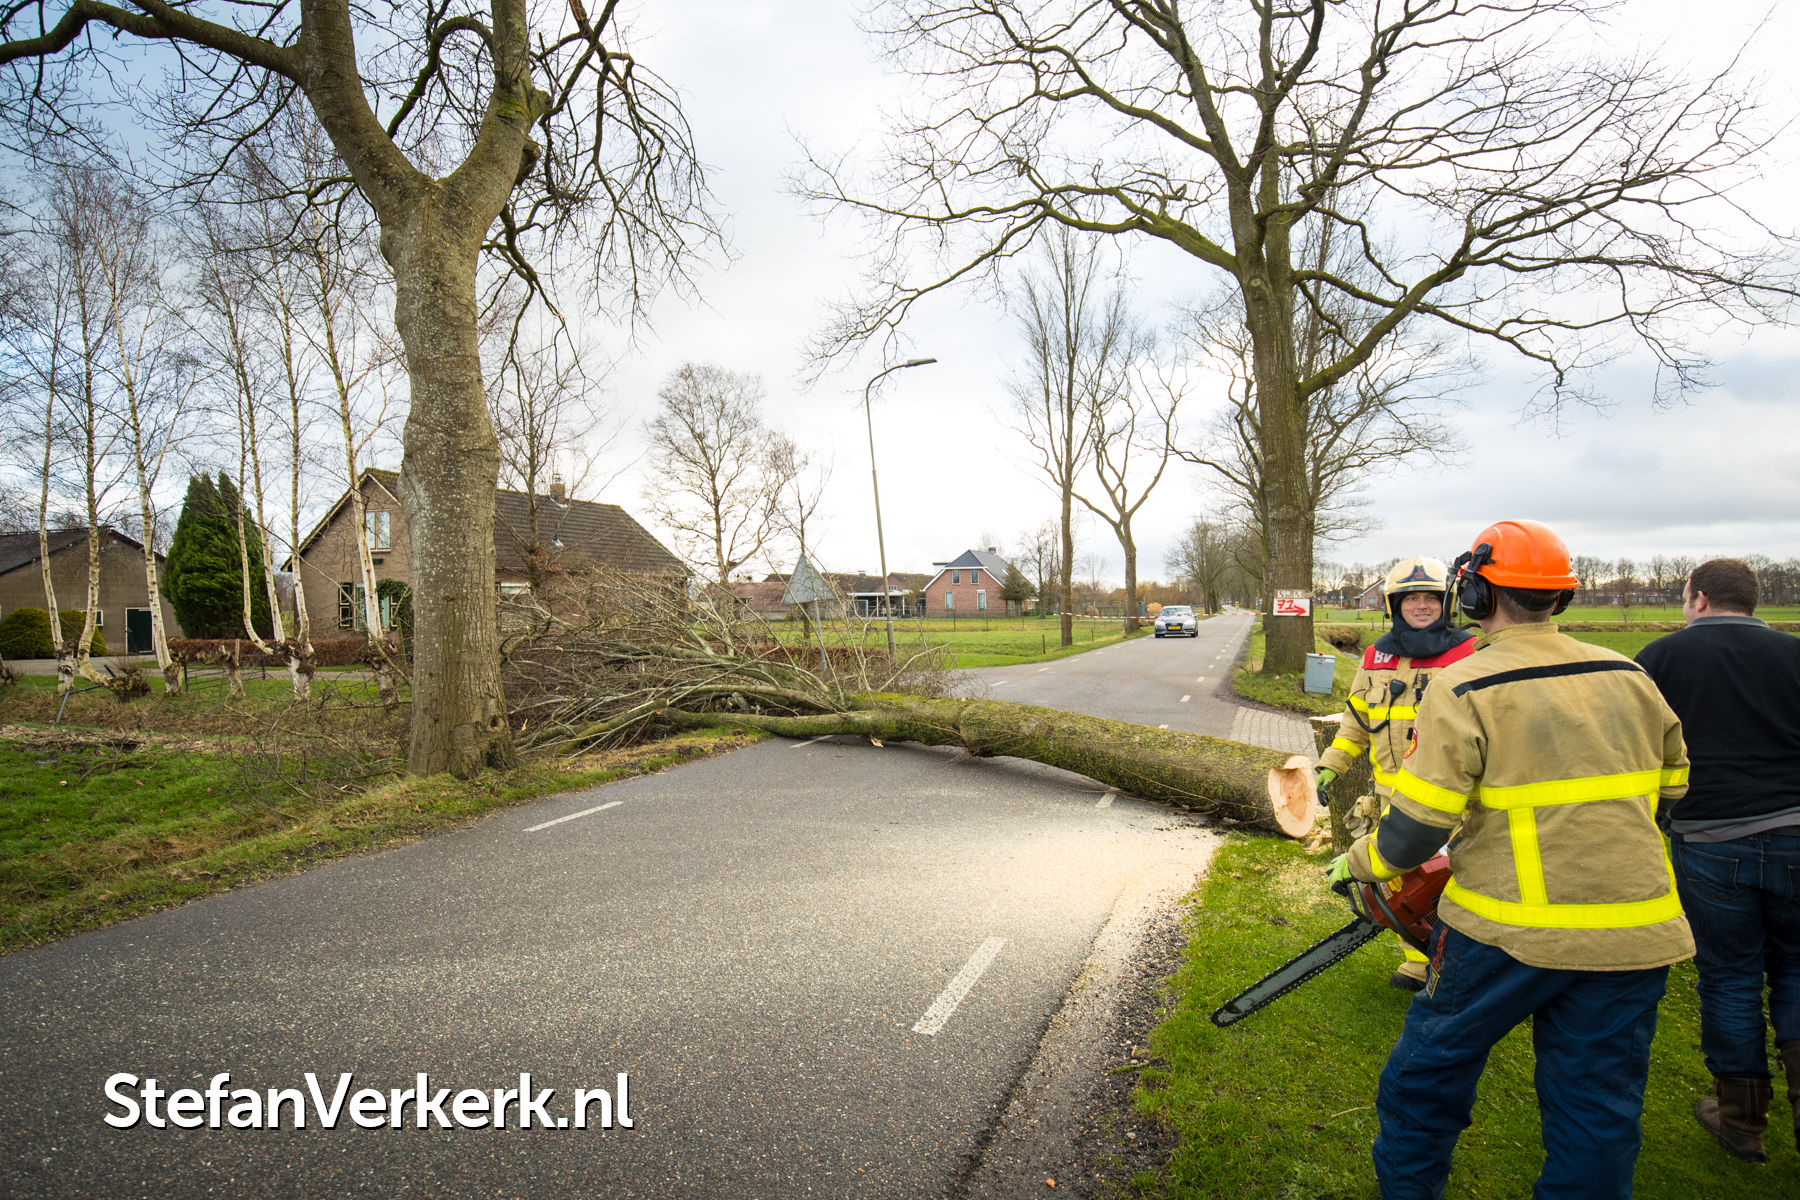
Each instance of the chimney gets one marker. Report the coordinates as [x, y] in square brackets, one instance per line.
[557, 492]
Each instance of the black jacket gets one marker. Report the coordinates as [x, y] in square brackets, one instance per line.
[1735, 684]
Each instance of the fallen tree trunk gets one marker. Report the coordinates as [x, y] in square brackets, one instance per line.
[1246, 785]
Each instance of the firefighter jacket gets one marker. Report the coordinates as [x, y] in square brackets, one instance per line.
[1554, 755]
[1379, 717]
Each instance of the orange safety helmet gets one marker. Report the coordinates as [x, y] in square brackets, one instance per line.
[1525, 554]
[1512, 554]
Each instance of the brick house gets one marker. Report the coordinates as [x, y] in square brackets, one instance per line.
[577, 531]
[968, 585]
[124, 598]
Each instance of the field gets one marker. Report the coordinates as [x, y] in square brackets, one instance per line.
[968, 642]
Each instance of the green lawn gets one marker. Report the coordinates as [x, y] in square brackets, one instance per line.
[975, 642]
[1281, 1105]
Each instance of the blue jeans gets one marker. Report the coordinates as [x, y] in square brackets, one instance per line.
[1743, 903]
[1591, 1031]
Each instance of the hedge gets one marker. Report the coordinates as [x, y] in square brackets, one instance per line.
[25, 633]
[327, 652]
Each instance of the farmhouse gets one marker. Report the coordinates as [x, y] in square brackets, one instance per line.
[546, 532]
[967, 585]
[124, 608]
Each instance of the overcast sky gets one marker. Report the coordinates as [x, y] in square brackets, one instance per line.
[1718, 476]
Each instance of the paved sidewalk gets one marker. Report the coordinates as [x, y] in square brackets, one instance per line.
[1277, 731]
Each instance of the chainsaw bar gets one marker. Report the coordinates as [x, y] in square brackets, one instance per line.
[1297, 970]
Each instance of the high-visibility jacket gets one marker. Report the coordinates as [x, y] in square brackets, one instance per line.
[1554, 756]
[1378, 717]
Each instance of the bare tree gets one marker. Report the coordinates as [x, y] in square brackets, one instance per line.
[1038, 556]
[720, 472]
[469, 129]
[1078, 339]
[1559, 200]
[1134, 431]
[1200, 559]
[552, 430]
[797, 513]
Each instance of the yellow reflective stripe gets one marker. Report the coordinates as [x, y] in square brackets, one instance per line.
[1384, 778]
[1378, 866]
[1528, 860]
[1384, 712]
[1630, 914]
[1347, 746]
[1430, 794]
[1572, 791]
[1674, 777]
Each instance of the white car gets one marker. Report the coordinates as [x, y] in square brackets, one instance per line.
[1177, 619]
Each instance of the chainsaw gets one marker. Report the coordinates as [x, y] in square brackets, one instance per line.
[1407, 905]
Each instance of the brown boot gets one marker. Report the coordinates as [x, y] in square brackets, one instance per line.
[1736, 1114]
[1790, 1059]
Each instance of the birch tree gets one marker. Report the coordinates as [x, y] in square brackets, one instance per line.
[470, 129]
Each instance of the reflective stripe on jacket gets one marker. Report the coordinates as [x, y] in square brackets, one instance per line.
[1374, 702]
[1554, 755]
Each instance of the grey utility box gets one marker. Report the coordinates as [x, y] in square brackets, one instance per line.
[1318, 673]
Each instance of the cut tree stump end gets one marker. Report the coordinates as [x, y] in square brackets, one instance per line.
[1294, 796]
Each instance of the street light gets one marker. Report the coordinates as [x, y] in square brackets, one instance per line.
[887, 606]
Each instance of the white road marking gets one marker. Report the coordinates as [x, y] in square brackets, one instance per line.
[1202, 679]
[1187, 697]
[586, 812]
[942, 1008]
[1043, 668]
[810, 741]
[1106, 800]
[1162, 726]
[1001, 682]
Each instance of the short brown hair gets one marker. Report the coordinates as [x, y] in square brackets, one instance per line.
[1728, 583]
[1527, 605]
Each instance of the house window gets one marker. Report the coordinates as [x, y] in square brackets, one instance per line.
[956, 577]
[350, 606]
[949, 601]
[99, 618]
[981, 601]
[974, 576]
[379, 525]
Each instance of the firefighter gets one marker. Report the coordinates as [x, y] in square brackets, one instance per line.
[1385, 696]
[1553, 756]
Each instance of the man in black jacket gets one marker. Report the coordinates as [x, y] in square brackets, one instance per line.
[1735, 839]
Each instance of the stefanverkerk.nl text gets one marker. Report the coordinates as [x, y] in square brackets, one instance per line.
[220, 1105]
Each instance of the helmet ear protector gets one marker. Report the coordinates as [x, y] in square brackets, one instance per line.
[1475, 595]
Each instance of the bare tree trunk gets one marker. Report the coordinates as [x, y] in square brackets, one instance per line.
[449, 471]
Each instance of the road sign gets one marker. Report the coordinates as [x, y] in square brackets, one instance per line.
[806, 585]
[1288, 606]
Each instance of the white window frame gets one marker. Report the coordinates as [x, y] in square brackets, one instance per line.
[949, 601]
[99, 618]
[981, 600]
[380, 532]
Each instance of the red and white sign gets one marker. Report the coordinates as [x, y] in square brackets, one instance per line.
[1288, 606]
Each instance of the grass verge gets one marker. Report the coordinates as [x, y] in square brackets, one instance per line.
[97, 827]
[1281, 1106]
[1283, 691]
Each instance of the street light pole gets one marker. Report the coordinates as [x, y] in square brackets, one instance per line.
[887, 605]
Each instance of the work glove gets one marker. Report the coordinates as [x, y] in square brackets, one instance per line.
[1326, 777]
[1338, 873]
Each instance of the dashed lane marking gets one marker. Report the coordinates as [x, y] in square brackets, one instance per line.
[1106, 800]
[945, 1005]
[811, 741]
[1186, 698]
[586, 812]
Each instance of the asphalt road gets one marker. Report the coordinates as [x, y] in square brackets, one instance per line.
[1168, 681]
[822, 966]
